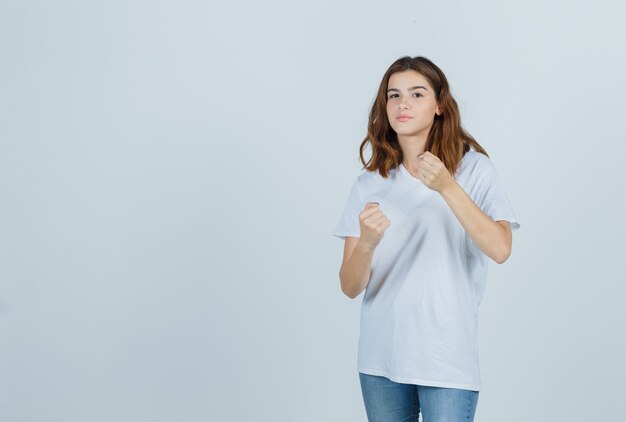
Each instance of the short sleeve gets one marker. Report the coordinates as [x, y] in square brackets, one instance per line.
[490, 196]
[348, 224]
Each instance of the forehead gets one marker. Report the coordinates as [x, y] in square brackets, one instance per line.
[407, 79]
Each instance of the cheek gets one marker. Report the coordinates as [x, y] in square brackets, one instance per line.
[425, 112]
[390, 115]
[432, 109]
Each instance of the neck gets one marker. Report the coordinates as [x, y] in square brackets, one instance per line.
[412, 146]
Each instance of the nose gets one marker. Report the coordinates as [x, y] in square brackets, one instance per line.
[403, 105]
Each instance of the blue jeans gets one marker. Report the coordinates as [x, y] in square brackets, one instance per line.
[389, 401]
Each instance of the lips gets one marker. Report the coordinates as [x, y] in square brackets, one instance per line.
[403, 118]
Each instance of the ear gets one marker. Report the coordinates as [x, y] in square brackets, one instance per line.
[439, 111]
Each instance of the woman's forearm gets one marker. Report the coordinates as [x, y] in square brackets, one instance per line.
[355, 272]
[490, 237]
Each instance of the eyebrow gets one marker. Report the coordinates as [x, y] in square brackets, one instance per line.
[413, 88]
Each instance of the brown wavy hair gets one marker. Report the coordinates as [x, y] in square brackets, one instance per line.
[446, 139]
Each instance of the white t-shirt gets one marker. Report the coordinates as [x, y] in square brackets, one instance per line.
[419, 313]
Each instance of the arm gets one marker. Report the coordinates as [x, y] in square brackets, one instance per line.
[492, 237]
[356, 266]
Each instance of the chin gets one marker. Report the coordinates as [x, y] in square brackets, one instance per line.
[403, 130]
[408, 132]
[414, 131]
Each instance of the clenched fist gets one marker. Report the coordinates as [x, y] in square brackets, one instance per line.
[373, 224]
[433, 173]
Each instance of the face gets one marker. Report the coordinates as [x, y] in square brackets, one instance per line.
[411, 103]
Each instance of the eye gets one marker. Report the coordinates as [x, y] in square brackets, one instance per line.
[393, 96]
[418, 94]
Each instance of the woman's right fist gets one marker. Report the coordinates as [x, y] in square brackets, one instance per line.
[373, 224]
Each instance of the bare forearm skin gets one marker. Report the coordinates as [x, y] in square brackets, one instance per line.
[355, 273]
[489, 236]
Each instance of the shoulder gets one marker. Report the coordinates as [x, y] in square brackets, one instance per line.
[373, 179]
[475, 157]
[476, 162]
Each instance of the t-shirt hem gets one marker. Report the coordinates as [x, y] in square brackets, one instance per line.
[418, 381]
[513, 222]
[343, 235]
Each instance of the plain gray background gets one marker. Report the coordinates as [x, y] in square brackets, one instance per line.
[171, 173]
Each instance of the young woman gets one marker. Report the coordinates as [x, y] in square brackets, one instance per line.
[420, 225]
